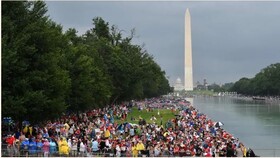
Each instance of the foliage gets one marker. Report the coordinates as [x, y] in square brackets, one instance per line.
[89, 85]
[265, 83]
[132, 71]
[227, 86]
[46, 72]
[215, 87]
[34, 81]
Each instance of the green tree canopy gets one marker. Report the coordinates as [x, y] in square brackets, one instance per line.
[46, 72]
[34, 81]
[265, 83]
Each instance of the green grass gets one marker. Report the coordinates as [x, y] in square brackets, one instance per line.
[202, 92]
[166, 115]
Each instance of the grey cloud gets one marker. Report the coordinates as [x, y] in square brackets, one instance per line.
[230, 39]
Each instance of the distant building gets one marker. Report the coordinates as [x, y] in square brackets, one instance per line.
[205, 84]
[202, 86]
[178, 85]
[199, 86]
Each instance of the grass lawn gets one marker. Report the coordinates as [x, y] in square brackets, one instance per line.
[166, 115]
[202, 92]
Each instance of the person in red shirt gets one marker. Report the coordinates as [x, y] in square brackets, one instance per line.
[176, 150]
[10, 141]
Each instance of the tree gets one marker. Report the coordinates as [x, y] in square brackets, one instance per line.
[132, 72]
[242, 86]
[266, 82]
[89, 86]
[34, 81]
[47, 72]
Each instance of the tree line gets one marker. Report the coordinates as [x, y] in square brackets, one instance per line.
[47, 72]
[265, 83]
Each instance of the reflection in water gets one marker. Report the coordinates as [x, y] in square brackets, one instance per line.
[256, 123]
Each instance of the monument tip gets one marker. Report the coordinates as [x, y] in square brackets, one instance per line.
[187, 11]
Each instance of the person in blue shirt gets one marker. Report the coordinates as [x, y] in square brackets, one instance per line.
[111, 112]
[213, 131]
[39, 148]
[95, 146]
[121, 128]
[17, 134]
[92, 134]
[32, 147]
[112, 120]
[46, 134]
[105, 117]
[131, 131]
[52, 147]
[24, 146]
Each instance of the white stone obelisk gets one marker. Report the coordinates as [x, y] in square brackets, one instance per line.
[188, 52]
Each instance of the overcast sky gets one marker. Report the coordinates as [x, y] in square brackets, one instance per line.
[230, 40]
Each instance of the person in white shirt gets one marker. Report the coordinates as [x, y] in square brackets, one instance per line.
[118, 151]
[74, 147]
[69, 145]
[82, 149]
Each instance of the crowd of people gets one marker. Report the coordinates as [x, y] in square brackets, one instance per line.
[96, 132]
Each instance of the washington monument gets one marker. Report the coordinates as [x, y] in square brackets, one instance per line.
[188, 53]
